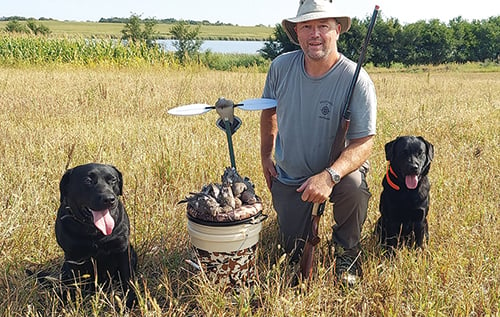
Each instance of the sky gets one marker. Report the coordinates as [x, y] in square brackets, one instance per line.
[244, 13]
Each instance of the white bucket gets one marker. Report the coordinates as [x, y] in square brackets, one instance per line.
[227, 253]
[224, 238]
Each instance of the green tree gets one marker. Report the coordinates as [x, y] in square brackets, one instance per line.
[349, 43]
[384, 42]
[487, 33]
[134, 32]
[425, 43]
[149, 34]
[412, 47]
[186, 40]
[438, 38]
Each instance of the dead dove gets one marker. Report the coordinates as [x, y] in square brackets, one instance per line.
[238, 188]
[211, 189]
[226, 197]
[248, 197]
[203, 203]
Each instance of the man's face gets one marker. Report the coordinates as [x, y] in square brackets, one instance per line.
[318, 38]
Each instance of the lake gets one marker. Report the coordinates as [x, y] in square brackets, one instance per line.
[228, 47]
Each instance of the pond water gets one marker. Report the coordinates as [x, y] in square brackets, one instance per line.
[229, 47]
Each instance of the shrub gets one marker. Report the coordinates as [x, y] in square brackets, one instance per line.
[15, 26]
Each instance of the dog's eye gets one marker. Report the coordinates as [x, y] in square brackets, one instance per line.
[88, 181]
[112, 181]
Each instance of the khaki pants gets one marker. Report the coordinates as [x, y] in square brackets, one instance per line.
[350, 203]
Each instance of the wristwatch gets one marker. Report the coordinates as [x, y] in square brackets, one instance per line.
[335, 176]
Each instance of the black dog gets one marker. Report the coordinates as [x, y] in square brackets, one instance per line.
[92, 227]
[404, 202]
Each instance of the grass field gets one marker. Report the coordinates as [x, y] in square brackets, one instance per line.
[74, 29]
[54, 117]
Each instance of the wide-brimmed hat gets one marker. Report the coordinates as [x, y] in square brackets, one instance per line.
[313, 10]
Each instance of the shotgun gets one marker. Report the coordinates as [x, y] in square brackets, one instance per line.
[306, 261]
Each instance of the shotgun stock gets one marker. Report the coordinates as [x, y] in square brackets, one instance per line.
[306, 261]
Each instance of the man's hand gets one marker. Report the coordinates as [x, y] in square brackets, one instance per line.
[317, 188]
[268, 132]
[269, 170]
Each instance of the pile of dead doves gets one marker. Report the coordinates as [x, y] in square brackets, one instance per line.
[233, 199]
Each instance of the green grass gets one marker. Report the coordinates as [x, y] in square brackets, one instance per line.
[54, 115]
[113, 30]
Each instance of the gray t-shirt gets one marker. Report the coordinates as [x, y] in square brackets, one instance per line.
[309, 111]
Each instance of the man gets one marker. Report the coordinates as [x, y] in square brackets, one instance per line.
[310, 86]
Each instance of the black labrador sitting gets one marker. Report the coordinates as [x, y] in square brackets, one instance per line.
[92, 227]
[404, 202]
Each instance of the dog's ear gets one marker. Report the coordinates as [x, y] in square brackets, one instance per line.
[429, 149]
[63, 185]
[389, 152]
[120, 180]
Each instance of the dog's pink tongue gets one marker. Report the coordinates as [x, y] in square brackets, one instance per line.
[103, 221]
[411, 181]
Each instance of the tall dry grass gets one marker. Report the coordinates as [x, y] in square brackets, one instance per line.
[57, 117]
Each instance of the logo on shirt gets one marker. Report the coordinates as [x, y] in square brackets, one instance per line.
[325, 108]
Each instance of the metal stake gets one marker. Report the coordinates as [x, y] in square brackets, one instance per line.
[229, 134]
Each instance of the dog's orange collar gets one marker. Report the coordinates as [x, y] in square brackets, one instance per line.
[388, 177]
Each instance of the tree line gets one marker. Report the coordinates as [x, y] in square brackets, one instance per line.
[420, 43]
[163, 21]
[125, 20]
